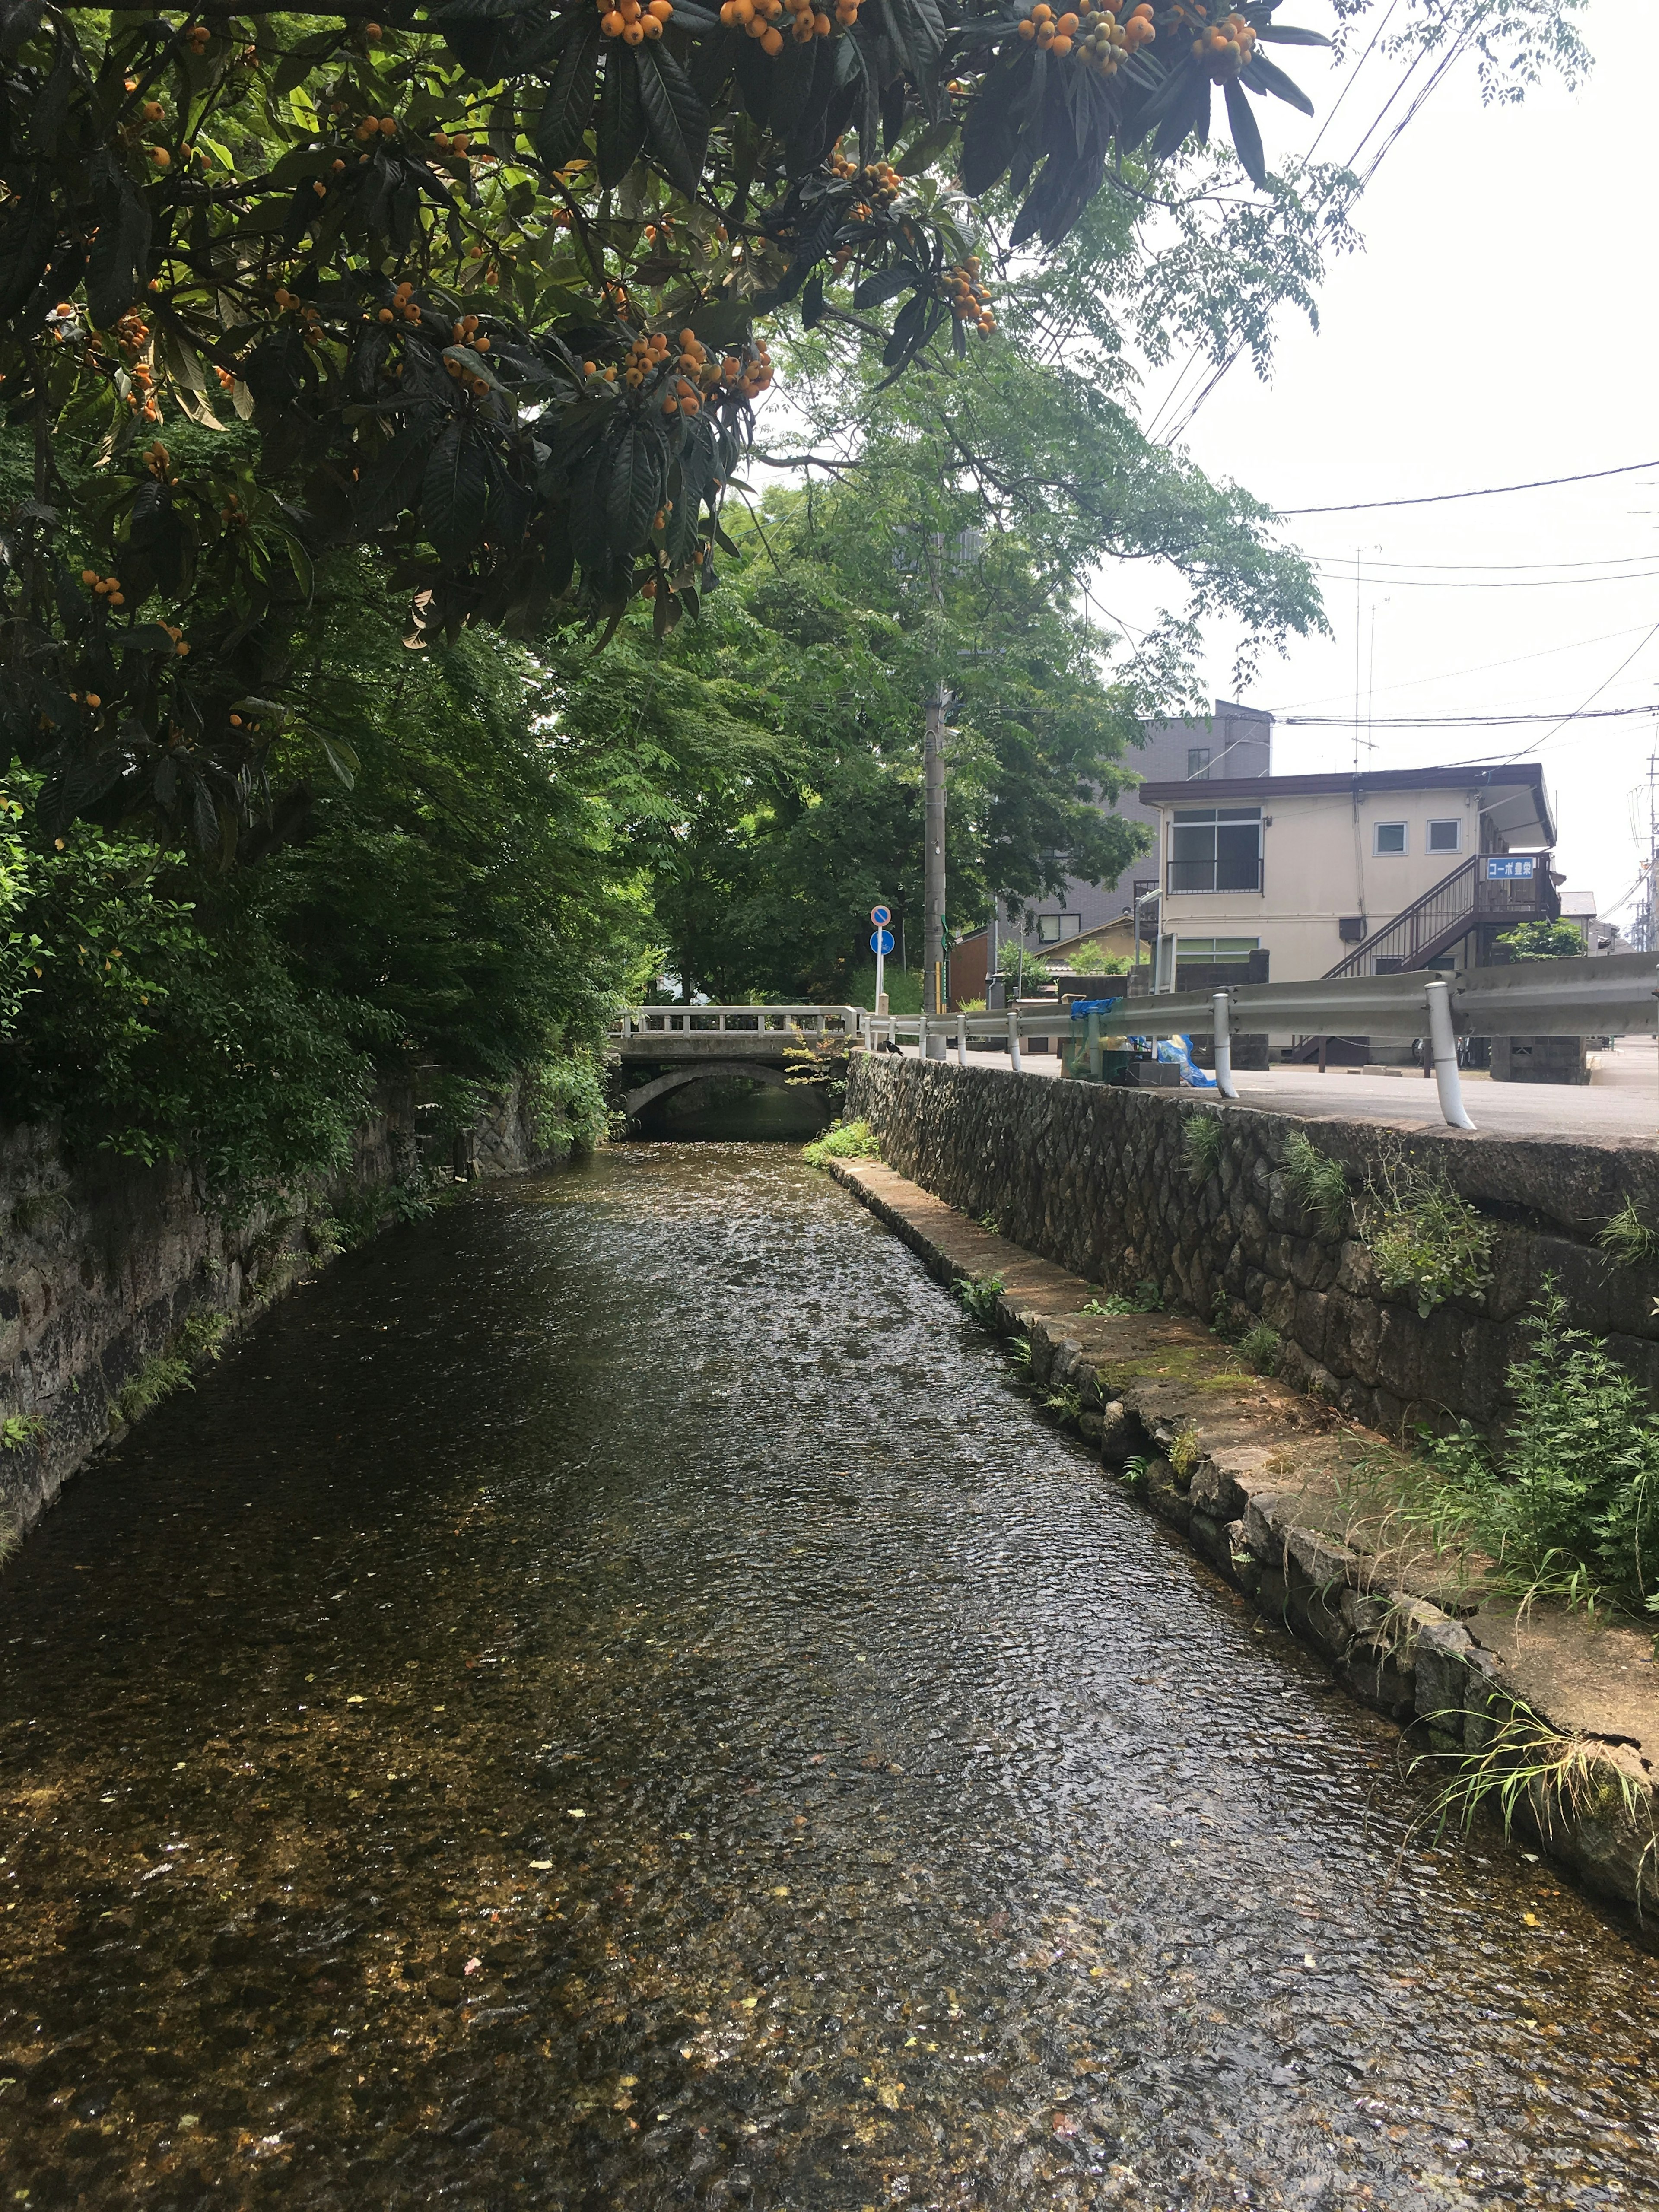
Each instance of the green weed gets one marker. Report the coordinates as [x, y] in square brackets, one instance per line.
[1200, 1147]
[1066, 1404]
[1627, 1240]
[1320, 1182]
[1185, 1451]
[1426, 1241]
[1144, 1299]
[1132, 1473]
[843, 1140]
[19, 1431]
[979, 1293]
[1560, 1781]
[1259, 1348]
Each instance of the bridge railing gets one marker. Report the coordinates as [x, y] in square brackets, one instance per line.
[684, 1021]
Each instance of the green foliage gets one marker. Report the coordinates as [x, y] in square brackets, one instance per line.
[1200, 1147]
[1318, 1181]
[19, 1431]
[1145, 1298]
[467, 907]
[1185, 1451]
[1568, 1504]
[1132, 1473]
[1066, 1404]
[1544, 940]
[569, 1108]
[1425, 1240]
[1626, 1239]
[1259, 1348]
[979, 1294]
[845, 1140]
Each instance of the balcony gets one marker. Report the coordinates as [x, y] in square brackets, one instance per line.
[1231, 872]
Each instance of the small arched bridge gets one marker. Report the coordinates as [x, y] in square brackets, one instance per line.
[660, 1048]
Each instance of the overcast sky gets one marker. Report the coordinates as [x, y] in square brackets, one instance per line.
[1498, 327]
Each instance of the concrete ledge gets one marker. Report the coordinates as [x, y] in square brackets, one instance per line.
[1258, 1479]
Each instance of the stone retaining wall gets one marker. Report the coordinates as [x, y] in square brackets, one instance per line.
[103, 1261]
[1094, 1179]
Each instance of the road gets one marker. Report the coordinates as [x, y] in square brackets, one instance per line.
[1620, 1103]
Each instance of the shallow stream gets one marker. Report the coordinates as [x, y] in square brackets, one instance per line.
[607, 1698]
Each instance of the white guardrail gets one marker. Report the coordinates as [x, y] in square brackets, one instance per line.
[1617, 995]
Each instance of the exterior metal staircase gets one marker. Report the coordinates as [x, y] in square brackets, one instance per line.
[1445, 914]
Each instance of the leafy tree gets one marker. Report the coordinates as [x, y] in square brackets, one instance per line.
[482, 281]
[1544, 940]
[461, 913]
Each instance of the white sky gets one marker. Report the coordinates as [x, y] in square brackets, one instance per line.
[1499, 327]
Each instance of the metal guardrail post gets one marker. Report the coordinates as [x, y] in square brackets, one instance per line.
[1224, 1047]
[1091, 1035]
[921, 1036]
[1445, 1040]
[1013, 1042]
[962, 1040]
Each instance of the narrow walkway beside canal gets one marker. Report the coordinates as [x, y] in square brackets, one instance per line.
[608, 1699]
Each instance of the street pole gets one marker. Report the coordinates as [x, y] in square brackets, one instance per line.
[934, 857]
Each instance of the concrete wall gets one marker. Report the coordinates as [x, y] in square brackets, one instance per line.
[1094, 1179]
[102, 1261]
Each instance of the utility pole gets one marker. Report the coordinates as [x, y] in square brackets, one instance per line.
[932, 986]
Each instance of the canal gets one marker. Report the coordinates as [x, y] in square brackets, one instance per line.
[608, 1698]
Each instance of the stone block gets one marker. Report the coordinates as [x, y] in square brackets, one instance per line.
[1273, 1592]
[1380, 1675]
[1440, 1650]
[1208, 1537]
[1215, 1490]
[1311, 1324]
[1119, 1432]
[1261, 1527]
[1325, 1563]
[1165, 1495]
[1315, 1612]
[1089, 1426]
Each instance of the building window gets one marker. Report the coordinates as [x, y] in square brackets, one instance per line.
[1217, 951]
[1054, 928]
[1446, 836]
[1387, 837]
[1217, 849]
[1197, 763]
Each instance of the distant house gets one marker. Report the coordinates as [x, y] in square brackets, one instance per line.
[1362, 874]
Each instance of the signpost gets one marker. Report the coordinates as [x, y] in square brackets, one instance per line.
[881, 944]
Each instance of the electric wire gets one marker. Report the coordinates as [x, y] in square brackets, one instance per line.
[1484, 491]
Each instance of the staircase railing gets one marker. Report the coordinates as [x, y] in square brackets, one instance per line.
[1416, 929]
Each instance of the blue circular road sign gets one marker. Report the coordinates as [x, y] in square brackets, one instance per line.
[881, 916]
[881, 940]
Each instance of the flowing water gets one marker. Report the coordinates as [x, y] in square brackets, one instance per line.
[608, 1699]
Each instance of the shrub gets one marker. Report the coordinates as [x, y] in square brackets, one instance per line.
[568, 1105]
[844, 1141]
[1425, 1239]
[1568, 1504]
[1318, 1181]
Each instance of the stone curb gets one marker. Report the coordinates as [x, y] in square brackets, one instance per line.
[1207, 1477]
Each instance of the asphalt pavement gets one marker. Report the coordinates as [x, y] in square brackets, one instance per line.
[1620, 1103]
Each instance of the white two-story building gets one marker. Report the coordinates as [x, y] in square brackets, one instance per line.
[1362, 874]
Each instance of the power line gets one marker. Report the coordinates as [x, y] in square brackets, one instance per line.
[1343, 571]
[1586, 714]
[1486, 491]
[1464, 567]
